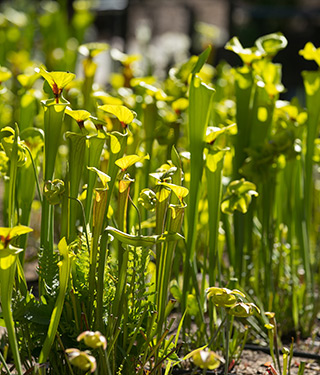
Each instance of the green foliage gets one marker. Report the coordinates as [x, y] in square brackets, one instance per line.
[119, 264]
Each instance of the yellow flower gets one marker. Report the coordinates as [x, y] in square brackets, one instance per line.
[243, 310]
[93, 339]
[82, 360]
[206, 359]
[224, 297]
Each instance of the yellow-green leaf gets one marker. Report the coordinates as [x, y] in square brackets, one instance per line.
[123, 114]
[56, 80]
[7, 234]
[79, 115]
[163, 194]
[213, 160]
[127, 161]
[103, 176]
[124, 185]
[180, 191]
[115, 145]
[310, 52]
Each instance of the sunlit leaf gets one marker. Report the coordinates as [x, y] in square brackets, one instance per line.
[124, 184]
[162, 194]
[56, 80]
[123, 114]
[7, 234]
[310, 52]
[79, 115]
[103, 176]
[180, 191]
[201, 60]
[129, 160]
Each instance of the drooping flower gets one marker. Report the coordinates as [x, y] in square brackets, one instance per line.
[93, 339]
[224, 297]
[243, 310]
[82, 360]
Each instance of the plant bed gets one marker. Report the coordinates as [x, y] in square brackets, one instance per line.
[173, 220]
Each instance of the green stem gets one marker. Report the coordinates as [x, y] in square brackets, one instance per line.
[7, 273]
[227, 344]
[4, 363]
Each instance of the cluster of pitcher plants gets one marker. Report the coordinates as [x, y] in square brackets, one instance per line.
[169, 218]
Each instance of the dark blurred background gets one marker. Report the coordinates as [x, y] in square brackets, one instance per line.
[166, 24]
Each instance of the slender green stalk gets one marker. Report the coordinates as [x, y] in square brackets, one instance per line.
[214, 201]
[200, 99]
[7, 274]
[227, 333]
[4, 363]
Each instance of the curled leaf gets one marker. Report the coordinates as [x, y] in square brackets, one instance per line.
[238, 196]
[53, 191]
[147, 199]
